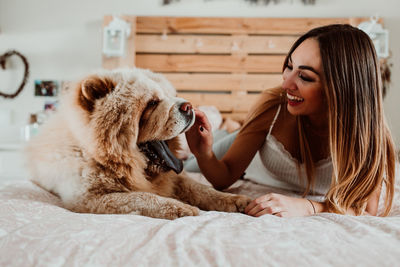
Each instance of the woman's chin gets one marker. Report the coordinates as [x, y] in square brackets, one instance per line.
[295, 109]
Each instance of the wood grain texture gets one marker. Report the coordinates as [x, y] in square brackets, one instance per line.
[217, 61]
[211, 63]
[223, 82]
[213, 44]
[230, 25]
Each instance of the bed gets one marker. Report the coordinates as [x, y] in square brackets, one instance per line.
[35, 229]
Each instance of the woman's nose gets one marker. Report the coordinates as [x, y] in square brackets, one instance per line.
[289, 81]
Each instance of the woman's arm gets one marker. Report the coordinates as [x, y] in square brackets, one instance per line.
[285, 206]
[322, 207]
[222, 173]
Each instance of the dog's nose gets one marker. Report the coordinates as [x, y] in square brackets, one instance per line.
[186, 107]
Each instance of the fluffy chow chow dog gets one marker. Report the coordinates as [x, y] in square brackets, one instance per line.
[110, 149]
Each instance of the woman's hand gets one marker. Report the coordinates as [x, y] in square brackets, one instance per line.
[199, 136]
[279, 205]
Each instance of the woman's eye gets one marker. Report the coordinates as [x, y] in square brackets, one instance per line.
[290, 67]
[305, 78]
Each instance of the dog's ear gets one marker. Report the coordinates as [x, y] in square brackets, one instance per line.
[94, 88]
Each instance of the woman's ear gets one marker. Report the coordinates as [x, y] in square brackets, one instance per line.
[94, 88]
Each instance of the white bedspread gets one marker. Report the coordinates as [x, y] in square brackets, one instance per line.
[36, 231]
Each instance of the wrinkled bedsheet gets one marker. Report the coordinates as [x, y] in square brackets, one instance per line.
[36, 231]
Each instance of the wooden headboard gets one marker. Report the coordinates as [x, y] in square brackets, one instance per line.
[224, 62]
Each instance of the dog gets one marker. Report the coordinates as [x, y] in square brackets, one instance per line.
[110, 149]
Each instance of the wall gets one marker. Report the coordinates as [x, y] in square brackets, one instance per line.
[62, 39]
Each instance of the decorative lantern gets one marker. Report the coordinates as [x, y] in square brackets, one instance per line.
[115, 36]
[378, 34]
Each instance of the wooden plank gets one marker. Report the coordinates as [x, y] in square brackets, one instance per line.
[211, 63]
[221, 82]
[224, 102]
[268, 44]
[213, 44]
[129, 59]
[217, 25]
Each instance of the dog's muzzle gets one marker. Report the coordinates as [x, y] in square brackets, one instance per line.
[159, 155]
[186, 109]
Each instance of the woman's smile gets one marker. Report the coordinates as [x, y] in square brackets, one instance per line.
[294, 100]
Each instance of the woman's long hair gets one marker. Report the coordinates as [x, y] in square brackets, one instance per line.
[361, 146]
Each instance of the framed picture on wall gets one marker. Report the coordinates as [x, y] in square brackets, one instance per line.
[46, 88]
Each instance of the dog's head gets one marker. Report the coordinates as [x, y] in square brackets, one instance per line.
[122, 112]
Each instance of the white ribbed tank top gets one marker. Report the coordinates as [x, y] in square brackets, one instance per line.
[274, 166]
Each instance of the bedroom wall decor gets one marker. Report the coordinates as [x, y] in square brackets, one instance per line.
[3, 59]
[378, 34]
[47, 88]
[115, 36]
[129, 41]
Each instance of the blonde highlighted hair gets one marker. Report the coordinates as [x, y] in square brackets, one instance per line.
[361, 146]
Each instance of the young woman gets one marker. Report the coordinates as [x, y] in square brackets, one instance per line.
[322, 131]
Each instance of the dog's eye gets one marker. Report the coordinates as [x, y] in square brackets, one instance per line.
[152, 103]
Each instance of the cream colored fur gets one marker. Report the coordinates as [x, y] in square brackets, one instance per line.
[88, 154]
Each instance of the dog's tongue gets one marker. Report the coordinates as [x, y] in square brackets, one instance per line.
[162, 150]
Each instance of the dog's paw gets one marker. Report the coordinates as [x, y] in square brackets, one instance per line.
[178, 211]
[188, 210]
[235, 203]
[241, 202]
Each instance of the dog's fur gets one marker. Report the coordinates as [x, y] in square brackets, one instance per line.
[89, 152]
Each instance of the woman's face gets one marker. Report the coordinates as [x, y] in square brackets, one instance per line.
[302, 80]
